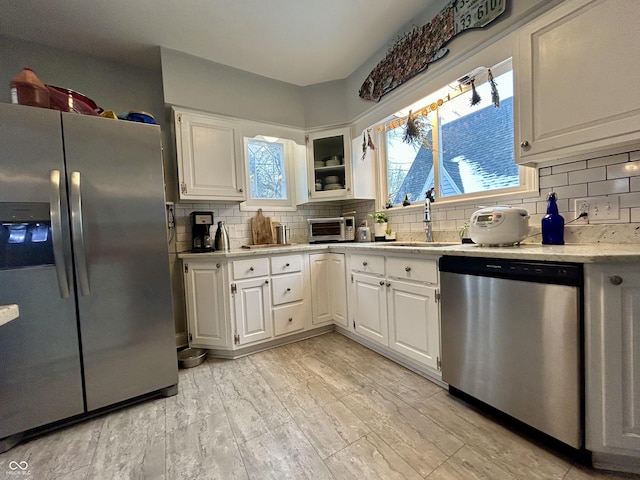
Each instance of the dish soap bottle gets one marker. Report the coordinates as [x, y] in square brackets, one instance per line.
[552, 223]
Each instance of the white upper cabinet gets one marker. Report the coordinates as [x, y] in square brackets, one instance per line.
[576, 80]
[332, 168]
[210, 159]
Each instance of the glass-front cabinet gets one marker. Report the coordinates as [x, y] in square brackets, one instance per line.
[329, 157]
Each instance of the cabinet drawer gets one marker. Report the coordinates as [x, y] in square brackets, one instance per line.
[420, 270]
[286, 264]
[287, 288]
[368, 263]
[289, 319]
[250, 268]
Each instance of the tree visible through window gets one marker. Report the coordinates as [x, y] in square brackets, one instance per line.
[472, 151]
[267, 170]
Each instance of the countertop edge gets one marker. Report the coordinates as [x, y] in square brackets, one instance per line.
[579, 253]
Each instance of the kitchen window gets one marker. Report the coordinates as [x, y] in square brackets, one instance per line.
[465, 152]
[270, 173]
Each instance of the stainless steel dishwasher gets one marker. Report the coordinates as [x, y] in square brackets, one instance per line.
[512, 338]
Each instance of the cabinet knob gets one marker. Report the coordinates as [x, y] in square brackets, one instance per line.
[241, 190]
[364, 264]
[217, 265]
[615, 280]
[251, 269]
[288, 289]
[266, 282]
[290, 319]
[388, 284]
[524, 144]
[407, 269]
[286, 265]
[381, 282]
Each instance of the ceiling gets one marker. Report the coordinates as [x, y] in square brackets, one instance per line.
[302, 42]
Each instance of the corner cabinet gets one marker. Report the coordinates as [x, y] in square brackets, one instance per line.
[612, 357]
[328, 289]
[210, 159]
[205, 287]
[332, 168]
[575, 71]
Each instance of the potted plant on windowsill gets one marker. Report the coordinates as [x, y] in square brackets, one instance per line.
[389, 235]
[380, 224]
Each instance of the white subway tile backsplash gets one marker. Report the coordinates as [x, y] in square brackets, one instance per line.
[608, 160]
[635, 155]
[544, 171]
[554, 180]
[608, 187]
[588, 175]
[568, 167]
[635, 214]
[623, 170]
[634, 184]
[570, 191]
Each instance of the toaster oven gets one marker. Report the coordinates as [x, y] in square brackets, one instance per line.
[336, 229]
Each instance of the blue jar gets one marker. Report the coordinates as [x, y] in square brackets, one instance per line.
[552, 223]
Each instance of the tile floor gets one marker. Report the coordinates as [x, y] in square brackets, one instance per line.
[323, 408]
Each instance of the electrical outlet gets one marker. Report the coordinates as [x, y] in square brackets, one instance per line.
[171, 218]
[598, 208]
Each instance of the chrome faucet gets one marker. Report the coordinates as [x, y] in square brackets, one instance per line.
[429, 199]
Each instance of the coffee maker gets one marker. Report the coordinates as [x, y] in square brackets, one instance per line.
[201, 237]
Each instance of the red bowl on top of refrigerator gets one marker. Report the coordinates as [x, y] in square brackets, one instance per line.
[67, 100]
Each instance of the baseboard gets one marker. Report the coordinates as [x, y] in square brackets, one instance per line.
[618, 463]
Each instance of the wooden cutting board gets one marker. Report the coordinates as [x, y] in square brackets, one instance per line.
[261, 231]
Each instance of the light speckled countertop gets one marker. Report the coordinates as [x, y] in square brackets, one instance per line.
[578, 253]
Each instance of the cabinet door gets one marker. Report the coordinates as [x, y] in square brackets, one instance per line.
[321, 288]
[572, 65]
[612, 358]
[414, 321]
[370, 304]
[252, 302]
[210, 160]
[338, 288]
[329, 157]
[204, 289]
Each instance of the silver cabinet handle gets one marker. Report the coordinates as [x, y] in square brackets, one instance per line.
[77, 234]
[407, 269]
[615, 280]
[55, 211]
[524, 144]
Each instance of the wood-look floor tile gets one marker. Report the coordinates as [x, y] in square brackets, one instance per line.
[204, 450]
[339, 379]
[309, 393]
[513, 453]
[370, 458]
[57, 454]
[279, 371]
[197, 398]
[328, 428]
[224, 369]
[251, 406]
[281, 454]
[422, 443]
[132, 444]
[467, 464]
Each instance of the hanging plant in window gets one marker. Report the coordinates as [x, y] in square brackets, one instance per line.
[416, 130]
[367, 143]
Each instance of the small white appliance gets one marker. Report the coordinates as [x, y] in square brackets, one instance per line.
[499, 225]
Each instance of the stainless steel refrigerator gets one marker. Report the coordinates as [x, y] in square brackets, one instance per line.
[83, 253]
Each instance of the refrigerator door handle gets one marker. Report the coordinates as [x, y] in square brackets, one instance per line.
[77, 234]
[55, 212]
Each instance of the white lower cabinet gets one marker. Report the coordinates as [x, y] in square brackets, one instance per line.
[413, 321]
[328, 289]
[252, 310]
[612, 356]
[394, 302]
[206, 313]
